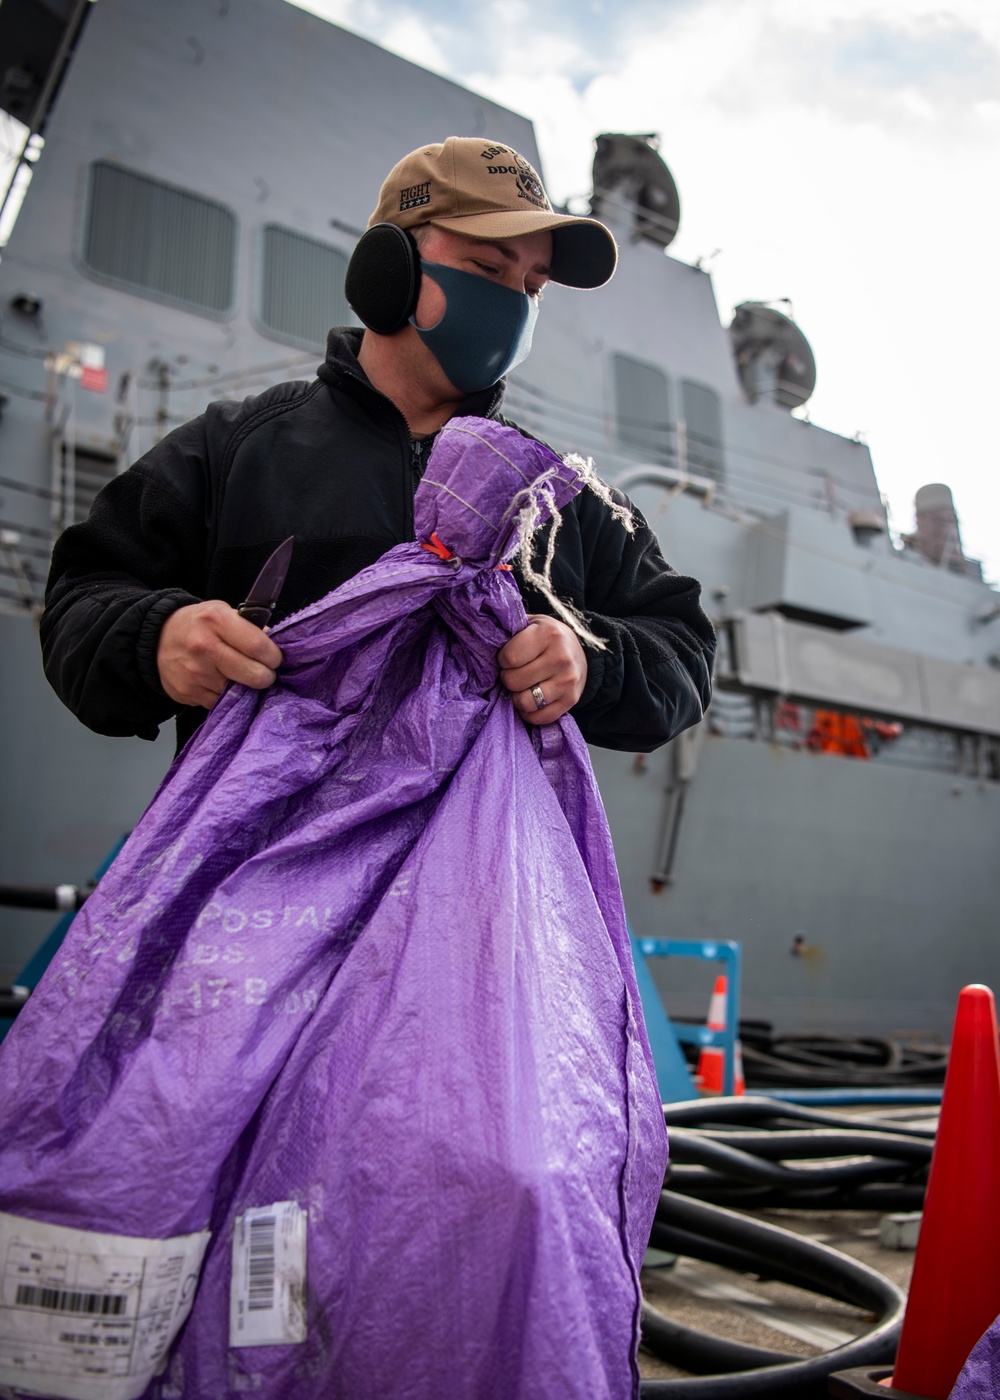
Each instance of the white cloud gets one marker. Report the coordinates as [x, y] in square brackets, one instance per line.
[336, 11]
[410, 37]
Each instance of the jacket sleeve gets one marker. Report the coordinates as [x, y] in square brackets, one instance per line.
[655, 677]
[117, 577]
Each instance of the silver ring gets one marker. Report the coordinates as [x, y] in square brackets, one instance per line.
[538, 695]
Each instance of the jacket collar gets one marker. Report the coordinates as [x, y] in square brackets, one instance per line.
[341, 368]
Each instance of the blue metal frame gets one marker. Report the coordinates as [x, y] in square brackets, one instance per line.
[665, 1035]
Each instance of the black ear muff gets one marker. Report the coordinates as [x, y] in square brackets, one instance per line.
[383, 278]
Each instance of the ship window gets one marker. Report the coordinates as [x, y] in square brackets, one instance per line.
[642, 410]
[302, 287]
[157, 239]
[703, 424]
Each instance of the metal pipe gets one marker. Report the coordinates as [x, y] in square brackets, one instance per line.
[61, 897]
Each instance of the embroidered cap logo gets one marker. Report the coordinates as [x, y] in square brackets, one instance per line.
[415, 195]
[529, 185]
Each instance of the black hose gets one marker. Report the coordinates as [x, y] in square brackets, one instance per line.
[783, 1146]
[726, 1256]
[821, 1049]
[753, 1108]
[880, 1196]
[812, 1059]
[722, 1151]
[702, 1353]
[797, 1195]
[688, 1147]
[706, 1228]
[764, 1070]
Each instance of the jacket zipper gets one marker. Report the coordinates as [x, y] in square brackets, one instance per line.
[416, 460]
[416, 445]
[408, 466]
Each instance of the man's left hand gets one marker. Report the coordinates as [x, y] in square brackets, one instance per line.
[545, 657]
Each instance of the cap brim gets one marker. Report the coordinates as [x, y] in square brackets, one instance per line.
[584, 252]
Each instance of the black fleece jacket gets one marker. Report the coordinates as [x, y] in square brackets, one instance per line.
[331, 462]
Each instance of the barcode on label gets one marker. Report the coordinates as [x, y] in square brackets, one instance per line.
[64, 1301]
[87, 1315]
[268, 1296]
[260, 1291]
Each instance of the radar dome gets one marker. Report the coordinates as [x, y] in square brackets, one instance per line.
[633, 189]
[937, 536]
[773, 357]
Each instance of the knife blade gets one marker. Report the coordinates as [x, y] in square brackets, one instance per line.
[263, 597]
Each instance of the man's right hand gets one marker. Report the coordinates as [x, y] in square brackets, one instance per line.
[204, 645]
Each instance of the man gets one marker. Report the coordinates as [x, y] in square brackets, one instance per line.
[140, 620]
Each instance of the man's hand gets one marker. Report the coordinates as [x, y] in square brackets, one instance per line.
[548, 655]
[204, 645]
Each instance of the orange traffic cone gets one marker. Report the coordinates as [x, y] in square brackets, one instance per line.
[739, 1079]
[955, 1289]
[710, 1074]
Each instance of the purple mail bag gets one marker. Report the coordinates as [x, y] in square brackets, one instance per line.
[979, 1378]
[338, 1086]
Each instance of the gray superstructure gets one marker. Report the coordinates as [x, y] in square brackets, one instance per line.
[207, 168]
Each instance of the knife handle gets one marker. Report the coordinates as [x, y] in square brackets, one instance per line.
[259, 616]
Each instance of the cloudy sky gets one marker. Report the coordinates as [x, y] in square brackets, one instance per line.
[843, 153]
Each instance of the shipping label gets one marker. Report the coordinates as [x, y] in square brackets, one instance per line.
[267, 1302]
[90, 1316]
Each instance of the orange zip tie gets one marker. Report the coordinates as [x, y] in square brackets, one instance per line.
[436, 547]
[443, 552]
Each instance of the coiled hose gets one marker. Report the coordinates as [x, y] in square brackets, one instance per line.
[739, 1152]
[806, 1060]
[741, 1372]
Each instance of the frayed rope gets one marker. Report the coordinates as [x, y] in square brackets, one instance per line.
[528, 507]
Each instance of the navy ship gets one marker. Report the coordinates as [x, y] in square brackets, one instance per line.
[200, 172]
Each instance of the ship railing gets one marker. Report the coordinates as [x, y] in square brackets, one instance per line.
[749, 481]
[796, 724]
[672, 478]
[26, 537]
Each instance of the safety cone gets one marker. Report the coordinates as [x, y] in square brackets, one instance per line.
[711, 1061]
[739, 1079]
[955, 1287]
[710, 1074]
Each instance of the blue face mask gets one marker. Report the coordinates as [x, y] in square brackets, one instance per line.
[485, 330]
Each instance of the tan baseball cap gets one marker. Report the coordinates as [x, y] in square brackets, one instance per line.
[486, 190]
